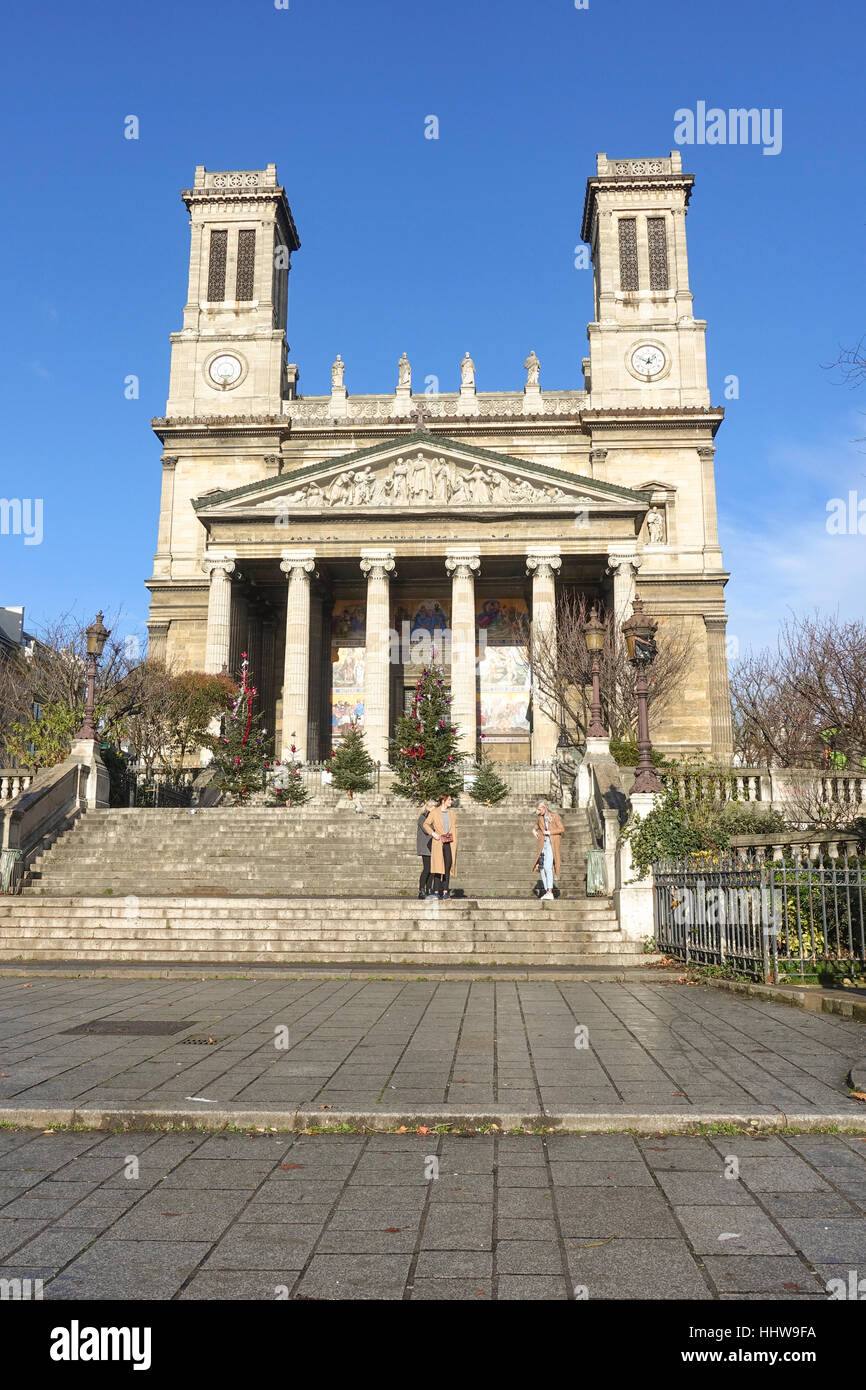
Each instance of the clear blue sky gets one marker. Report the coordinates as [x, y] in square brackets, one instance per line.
[431, 246]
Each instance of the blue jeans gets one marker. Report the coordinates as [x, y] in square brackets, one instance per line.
[546, 862]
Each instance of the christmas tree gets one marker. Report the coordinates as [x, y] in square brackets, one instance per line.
[424, 751]
[287, 783]
[488, 787]
[352, 765]
[241, 748]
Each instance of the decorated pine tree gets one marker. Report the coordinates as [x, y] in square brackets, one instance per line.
[241, 749]
[488, 787]
[424, 751]
[287, 783]
[351, 765]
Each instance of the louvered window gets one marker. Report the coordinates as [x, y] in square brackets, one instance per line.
[658, 253]
[246, 263]
[216, 270]
[628, 273]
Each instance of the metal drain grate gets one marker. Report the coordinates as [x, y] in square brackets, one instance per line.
[207, 1040]
[133, 1027]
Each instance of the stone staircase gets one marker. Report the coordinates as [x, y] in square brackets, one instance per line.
[253, 886]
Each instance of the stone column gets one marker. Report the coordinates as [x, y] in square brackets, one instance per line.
[219, 612]
[542, 563]
[721, 726]
[377, 565]
[463, 565]
[314, 750]
[253, 646]
[623, 565]
[298, 565]
[268, 693]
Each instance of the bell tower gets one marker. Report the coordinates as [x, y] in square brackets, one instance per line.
[230, 356]
[646, 348]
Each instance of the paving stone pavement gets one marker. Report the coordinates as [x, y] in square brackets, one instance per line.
[381, 1044]
[441, 1216]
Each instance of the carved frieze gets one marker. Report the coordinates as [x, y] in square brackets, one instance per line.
[426, 480]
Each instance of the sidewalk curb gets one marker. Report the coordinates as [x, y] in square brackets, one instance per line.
[383, 1122]
[825, 1002]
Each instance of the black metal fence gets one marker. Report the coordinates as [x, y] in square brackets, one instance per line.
[797, 919]
[134, 789]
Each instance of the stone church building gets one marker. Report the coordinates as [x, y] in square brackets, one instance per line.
[341, 540]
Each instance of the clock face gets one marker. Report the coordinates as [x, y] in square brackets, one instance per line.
[647, 361]
[225, 369]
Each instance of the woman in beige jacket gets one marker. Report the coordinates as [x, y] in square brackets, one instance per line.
[441, 825]
[548, 830]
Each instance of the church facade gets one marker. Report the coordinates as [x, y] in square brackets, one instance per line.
[343, 540]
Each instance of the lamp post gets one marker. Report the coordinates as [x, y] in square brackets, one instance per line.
[594, 637]
[639, 633]
[97, 636]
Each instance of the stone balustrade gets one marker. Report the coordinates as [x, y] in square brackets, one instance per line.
[13, 781]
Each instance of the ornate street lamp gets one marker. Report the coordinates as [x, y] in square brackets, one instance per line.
[639, 633]
[594, 638]
[97, 636]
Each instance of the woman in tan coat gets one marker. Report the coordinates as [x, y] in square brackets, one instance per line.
[548, 830]
[441, 825]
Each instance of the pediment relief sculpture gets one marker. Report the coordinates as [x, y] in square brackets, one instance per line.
[426, 482]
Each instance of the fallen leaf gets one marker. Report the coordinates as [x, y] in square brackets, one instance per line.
[795, 1287]
[172, 1213]
[402, 1130]
[48, 1131]
[287, 1166]
[859, 1095]
[326, 1107]
[678, 1093]
[422, 1129]
[393, 1230]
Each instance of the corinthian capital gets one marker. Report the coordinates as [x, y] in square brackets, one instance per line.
[464, 564]
[218, 566]
[543, 564]
[377, 564]
[298, 564]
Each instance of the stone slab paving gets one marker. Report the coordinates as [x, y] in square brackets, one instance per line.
[416, 1047]
[440, 1216]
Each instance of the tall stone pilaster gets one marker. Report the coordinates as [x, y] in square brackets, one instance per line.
[463, 565]
[157, 641]
[377, 565]
[542, 564]
[721, 724]
[298, 565]
[219, 612]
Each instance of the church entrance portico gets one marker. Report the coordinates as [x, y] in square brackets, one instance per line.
[339, 638]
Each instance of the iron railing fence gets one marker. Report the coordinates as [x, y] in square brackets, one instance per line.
[135, 789]
[793, 918]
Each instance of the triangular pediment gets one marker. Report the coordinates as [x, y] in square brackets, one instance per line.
[422, 472]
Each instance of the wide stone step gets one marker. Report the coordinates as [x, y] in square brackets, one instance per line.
[337, 959]
[346, 909]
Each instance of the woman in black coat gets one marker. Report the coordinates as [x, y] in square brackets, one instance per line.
[423, 838]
